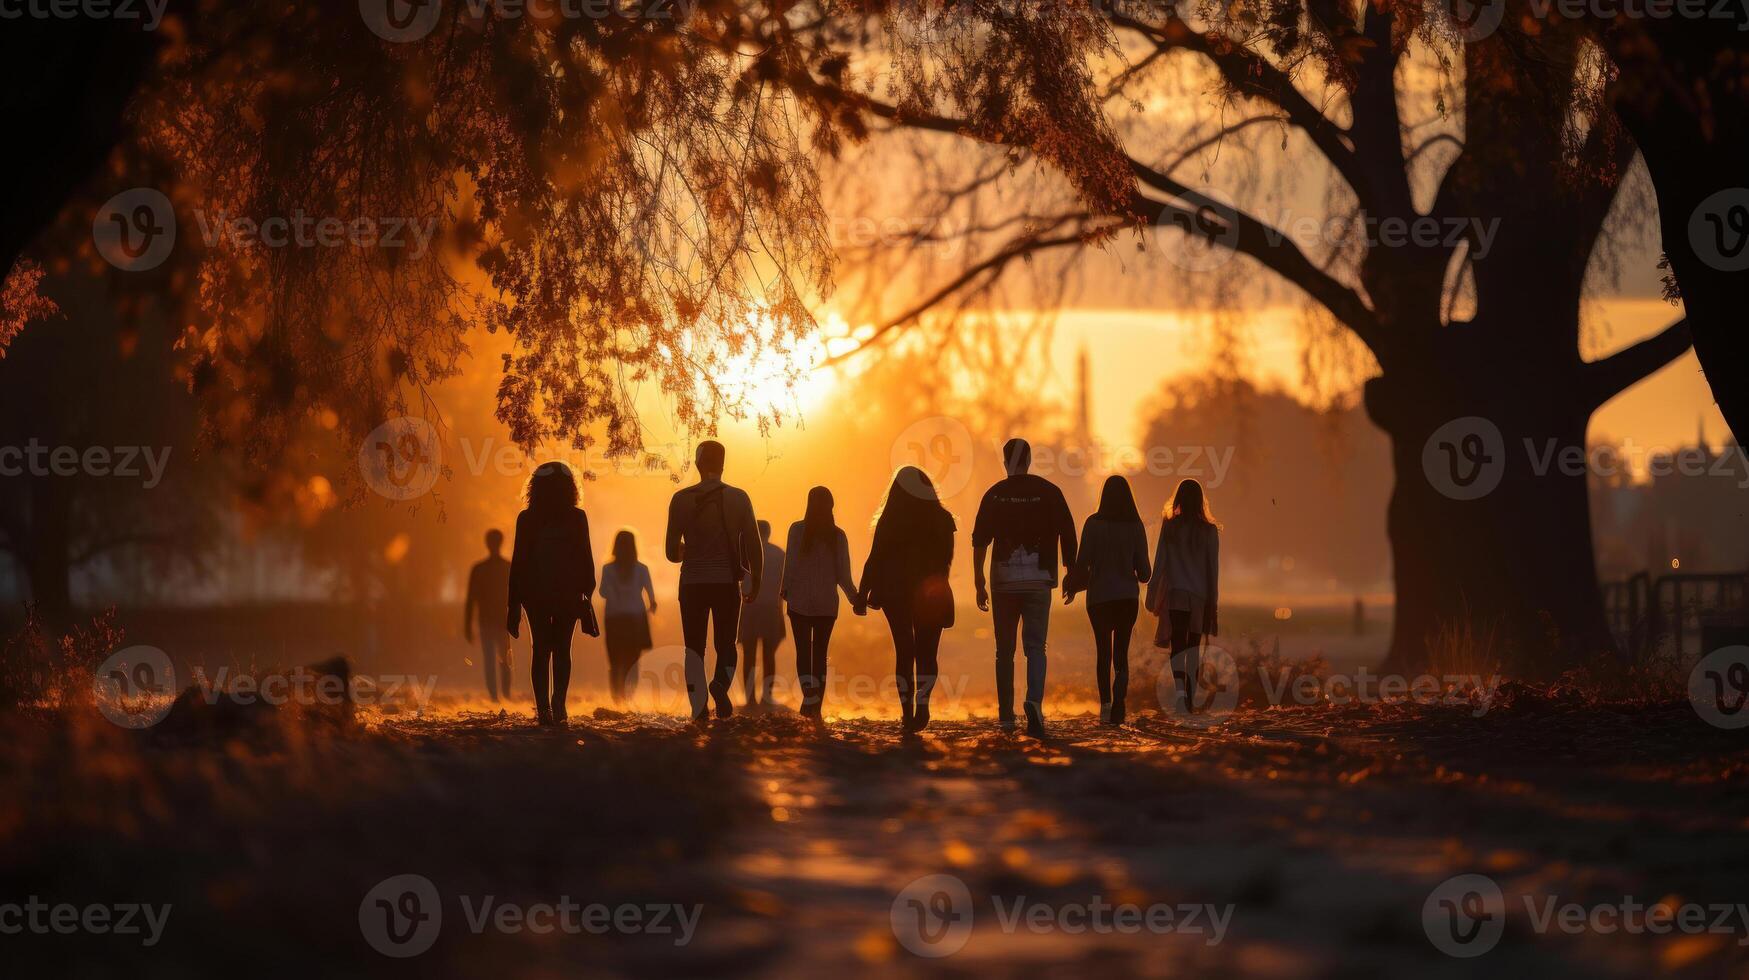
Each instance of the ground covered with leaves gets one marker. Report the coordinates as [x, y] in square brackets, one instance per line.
[1315, 834]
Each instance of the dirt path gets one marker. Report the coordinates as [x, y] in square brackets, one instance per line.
[1313, 837]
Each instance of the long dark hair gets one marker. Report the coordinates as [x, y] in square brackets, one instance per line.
[1117, 503]
[818, 525]
[552, 489]
[625, 549]
[910, 504]
[1189, 503]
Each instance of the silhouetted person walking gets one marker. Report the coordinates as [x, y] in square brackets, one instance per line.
[816, 569]
[625, 627]
[1185, 590]
[487, 601]
[762, 626]
[714, 537]
[1025, 522]
[906, 578]
[1110, 567]
[552, 576]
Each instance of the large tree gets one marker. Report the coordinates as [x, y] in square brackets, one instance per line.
[1506, 139]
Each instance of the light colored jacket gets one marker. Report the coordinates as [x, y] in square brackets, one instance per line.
[1187, 560]
[812, 579]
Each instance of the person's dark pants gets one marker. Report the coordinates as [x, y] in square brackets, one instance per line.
[750, 658]
[550, 632]
[495, 653]
[813, 633]
[622, 672]
[1186, 656]
[1113, 623]
[915, 649]
[1030, 613]
[714, 607]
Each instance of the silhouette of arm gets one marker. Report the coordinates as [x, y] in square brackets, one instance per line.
[982, 535]
[645, 587]
[842, 559]
[1214, 568]
[751, 545]
[1080, 570]
[871, 566]
[1065, 529]
[518, 570]
[674, 551]
[589, 580]
[794, 542]
[1139, 552]
[1158, 583]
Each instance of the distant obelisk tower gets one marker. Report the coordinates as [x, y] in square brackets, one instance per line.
[1083, 398]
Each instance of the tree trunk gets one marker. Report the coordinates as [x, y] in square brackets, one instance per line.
[1489, 524]
[1682, 97]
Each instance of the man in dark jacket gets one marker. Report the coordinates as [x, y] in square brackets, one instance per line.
[1026, 522]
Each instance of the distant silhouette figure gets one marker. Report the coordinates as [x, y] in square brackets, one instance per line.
[816, 569]
[714, 537]
[552, 576]
[1185, 590]
[487, 601]
[906, 578]
[625, 627]
[1110, 566]
[1027, 521]
[1359, 617]
[762, 625]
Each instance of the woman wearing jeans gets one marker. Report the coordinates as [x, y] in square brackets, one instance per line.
[552, 575]
[1111, 566]
[816, 569]
[906, 577]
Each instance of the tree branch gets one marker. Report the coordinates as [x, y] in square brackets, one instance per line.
[1254, 76]
[1607, 377]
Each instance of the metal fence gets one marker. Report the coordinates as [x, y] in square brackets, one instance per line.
[1677, 616]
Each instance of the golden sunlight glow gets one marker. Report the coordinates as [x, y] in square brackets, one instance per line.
[772, 379]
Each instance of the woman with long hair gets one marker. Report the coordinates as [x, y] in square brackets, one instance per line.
[906, 578]
[1111, 566]
[552, 575]
[625, 625]
[815, 570]
[1185, 590]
